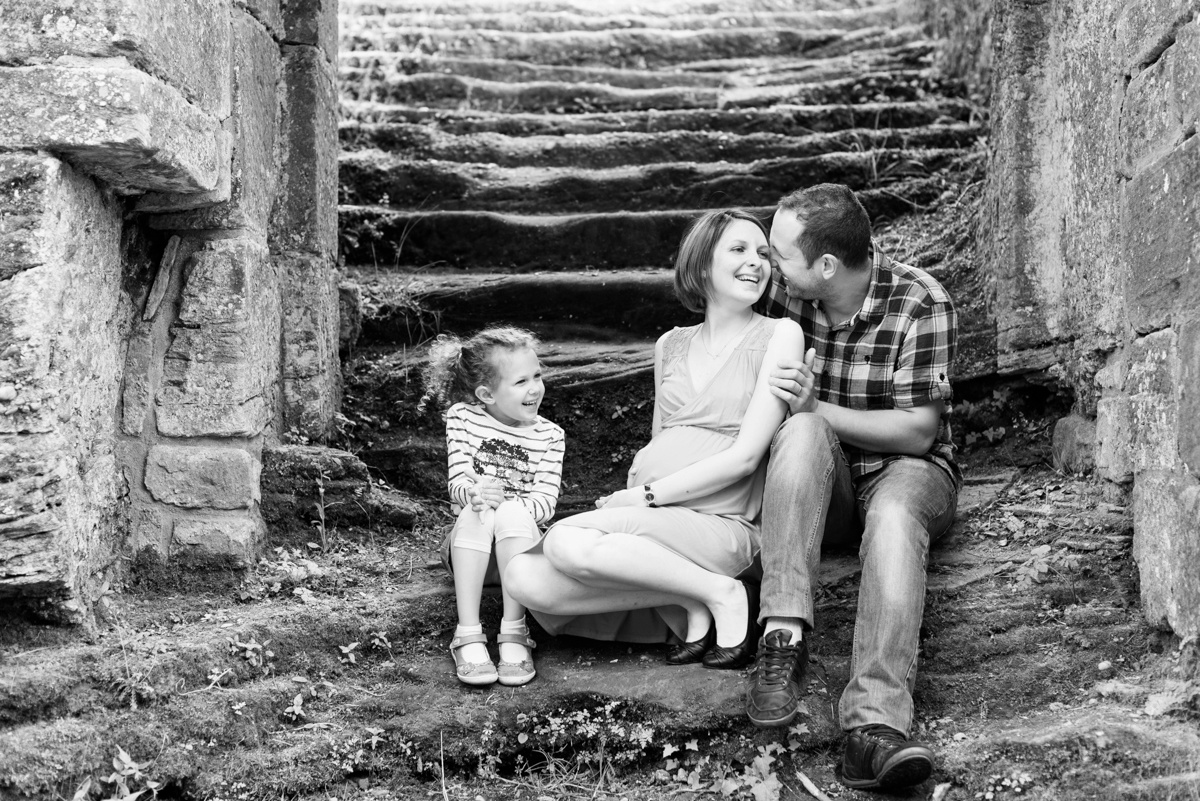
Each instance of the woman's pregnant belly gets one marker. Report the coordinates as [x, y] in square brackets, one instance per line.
[678, 447]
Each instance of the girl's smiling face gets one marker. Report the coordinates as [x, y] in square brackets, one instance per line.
[740, 264]
[517, 390]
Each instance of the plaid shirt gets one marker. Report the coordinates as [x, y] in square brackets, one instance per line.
[894, 353]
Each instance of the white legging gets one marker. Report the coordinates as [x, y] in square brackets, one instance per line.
[478, 531]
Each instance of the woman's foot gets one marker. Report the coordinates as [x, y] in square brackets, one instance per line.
[472, 664]
[731, 657]
[692, 651]
[516, 653]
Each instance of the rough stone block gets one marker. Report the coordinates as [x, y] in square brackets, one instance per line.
[305, 213]
[350, 316]
[117, 123]
[1159, 242]
[229, 540]
[1114, 439]
[247, 202]
[1146, 28]
[312, 22]
[63, 321]
[1166, 545]
[135, 388]
[267, 12]
[1189, 396]
[1074, 447]
[220, 370]
[310, 369]
[1150, 124]
[202, 478]
[1151, 385]
[149, 528]
[185, 42]
[1185, 76]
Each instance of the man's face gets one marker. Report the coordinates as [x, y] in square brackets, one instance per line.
[800, 278]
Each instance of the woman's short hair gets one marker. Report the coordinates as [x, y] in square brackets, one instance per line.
[696, 254]
[834, 221]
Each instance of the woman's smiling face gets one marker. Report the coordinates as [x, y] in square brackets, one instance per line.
[740, 264]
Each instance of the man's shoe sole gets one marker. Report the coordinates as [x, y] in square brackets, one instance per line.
[906, 768]
[772, 723]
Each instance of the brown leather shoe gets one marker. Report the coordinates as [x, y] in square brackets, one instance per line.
[880, 758]
[777, 683]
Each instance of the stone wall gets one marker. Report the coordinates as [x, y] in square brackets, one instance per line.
[1094, 202]
[168, 300]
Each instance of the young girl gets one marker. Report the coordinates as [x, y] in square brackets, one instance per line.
[505, 468]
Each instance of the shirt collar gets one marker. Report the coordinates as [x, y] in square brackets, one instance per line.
[874, 306]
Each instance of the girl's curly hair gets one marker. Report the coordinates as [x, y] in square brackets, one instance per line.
[456, 367]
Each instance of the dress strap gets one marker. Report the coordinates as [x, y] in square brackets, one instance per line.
[676, 344]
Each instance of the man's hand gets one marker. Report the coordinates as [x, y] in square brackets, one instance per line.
[634, 496]
[792, 382]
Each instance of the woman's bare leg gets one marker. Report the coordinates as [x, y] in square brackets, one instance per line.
[598, 559]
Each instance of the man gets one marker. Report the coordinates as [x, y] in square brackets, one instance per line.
[865, 455]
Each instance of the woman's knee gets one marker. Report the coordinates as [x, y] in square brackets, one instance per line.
[519, 579]
[570, 549]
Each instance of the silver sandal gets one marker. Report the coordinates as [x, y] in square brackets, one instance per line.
[476, 674]
[514, 674]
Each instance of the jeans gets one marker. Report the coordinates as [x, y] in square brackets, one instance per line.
[893, 514]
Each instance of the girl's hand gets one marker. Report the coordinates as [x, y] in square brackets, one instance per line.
[491, 491]
[635, 496]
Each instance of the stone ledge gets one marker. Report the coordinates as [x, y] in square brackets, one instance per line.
[180, 41]
[116, 123]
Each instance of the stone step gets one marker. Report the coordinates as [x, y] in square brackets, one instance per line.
[441, 91]
[374, 236]
[408, 142]
[384, 179]
[557, 21]
[374, 125]
[631, 49]
[659, 8]
[615, 302]
[361, 66]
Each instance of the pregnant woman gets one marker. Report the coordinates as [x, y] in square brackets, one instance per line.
[663, 555]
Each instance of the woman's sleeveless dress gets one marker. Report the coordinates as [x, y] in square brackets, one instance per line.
[719, 531]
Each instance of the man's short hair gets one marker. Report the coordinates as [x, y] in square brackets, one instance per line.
[696, 254]
[834, 221]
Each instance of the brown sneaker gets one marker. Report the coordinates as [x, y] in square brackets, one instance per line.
[777, 682]
[880, 758]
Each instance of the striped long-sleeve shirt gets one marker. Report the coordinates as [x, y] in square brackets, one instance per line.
[528, 459]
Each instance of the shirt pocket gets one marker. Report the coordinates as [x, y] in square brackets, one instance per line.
[869, 379]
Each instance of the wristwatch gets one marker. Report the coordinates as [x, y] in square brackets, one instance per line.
[649, 496]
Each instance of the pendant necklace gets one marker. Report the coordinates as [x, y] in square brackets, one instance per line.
[728, 342]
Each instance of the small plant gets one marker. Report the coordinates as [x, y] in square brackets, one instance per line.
[296, 710]
[1016, 783]
[1041, 563]
[319, 507]
[348, 656]
[256, 654]
[125, 773]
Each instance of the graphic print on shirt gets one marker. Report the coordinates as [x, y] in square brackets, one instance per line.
[497, 458]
